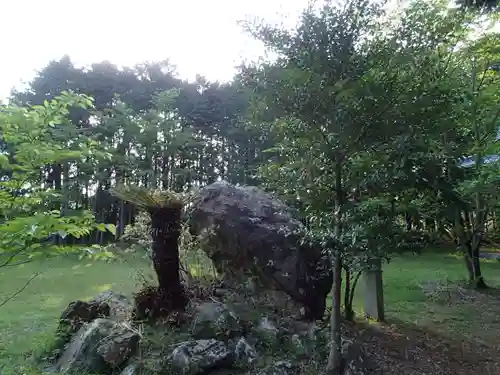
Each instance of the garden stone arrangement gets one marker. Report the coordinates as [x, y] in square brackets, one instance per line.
[100, 337]
[259, 318]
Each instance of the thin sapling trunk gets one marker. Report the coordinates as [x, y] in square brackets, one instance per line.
[351, 281]
[335, 363]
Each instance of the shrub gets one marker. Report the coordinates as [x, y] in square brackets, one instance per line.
[137, 238]
[138, 235]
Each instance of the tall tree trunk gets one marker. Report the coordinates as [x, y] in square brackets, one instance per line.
[479, 216]
[472, 262]
[335, 363]
[470, 245]
[165, 232]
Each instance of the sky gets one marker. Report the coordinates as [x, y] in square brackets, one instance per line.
[198, 36]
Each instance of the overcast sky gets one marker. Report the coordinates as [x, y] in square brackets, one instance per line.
[199, 36]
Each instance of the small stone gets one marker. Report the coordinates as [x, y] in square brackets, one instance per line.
[279, 368]
[268, 326]
[197, 356]
[116, 349]
[244, 353]
[120, 305]
[129, 370]
[215, 320]
[267, 332]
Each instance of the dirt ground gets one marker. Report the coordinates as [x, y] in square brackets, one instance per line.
[411, 351]
[402, 349]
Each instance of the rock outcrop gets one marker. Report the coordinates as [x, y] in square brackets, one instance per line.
[99, 346]
[217, 338]
[80, 312]
[247, 232]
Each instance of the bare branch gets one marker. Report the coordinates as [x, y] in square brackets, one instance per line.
[20, 290]
[11, 258]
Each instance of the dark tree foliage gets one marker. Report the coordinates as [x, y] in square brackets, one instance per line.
[488, 5]
[215, 140]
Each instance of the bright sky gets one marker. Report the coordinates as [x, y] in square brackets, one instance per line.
[199, 36]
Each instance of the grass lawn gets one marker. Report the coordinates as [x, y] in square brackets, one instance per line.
[418, 290]
[426, 291]
[28, 321]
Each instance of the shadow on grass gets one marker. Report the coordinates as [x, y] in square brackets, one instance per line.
[429, 293]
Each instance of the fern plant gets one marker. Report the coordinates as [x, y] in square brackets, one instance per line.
[165, 211]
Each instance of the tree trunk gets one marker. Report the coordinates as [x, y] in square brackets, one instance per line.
[477, 220]
[165, 232]
[473, 264]
[351, 281]
[408, 222]
[335, 358]
[335, 363]
[348, 309]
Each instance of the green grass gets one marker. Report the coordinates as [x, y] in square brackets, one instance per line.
[28, 321]
[446, 307]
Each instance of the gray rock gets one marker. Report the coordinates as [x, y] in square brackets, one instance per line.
[244, 353]
[267, 327]
[99, 346]
[77, 313]
[116, 348]
[279, 368]
[267, 334]
[120, 305]
[309, 340]
[215, 320]
[130, 370]
[198, 356]
[251, 234]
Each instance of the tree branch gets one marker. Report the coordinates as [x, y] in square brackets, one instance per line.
[20, 290]
[12, 256]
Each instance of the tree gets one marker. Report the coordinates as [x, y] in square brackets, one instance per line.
[165, 209]
[477, 185]
[361, 104]
[159, 131]
[313, 88]
[28, 218]
[487, 5]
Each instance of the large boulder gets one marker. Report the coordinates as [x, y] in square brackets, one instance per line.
[100, 346]
[248, 233]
